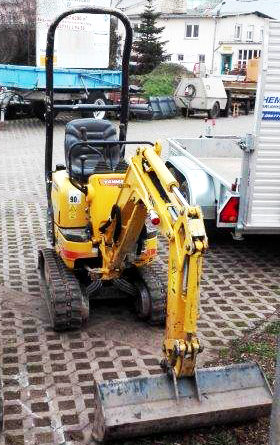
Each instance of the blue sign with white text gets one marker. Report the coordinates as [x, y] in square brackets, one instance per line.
[271, 115]
[271, 107]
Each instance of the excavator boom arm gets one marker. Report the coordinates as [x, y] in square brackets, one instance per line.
[150, 189]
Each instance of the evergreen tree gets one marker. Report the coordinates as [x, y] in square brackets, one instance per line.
[148, 49]
[114, 44]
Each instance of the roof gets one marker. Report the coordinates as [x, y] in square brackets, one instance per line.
[196, 14]
[126, 4]
[264, 8]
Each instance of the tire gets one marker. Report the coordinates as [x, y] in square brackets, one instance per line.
[10, 112]
[226, 111]
[173, 171]
[214, 113]
[190, 91]
[184, 189]
[184, 112]
[247, 107]
[96, 98]
[39, 109]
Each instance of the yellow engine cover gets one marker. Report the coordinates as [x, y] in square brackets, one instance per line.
[69, 204]
[74, 210]
[103, 191]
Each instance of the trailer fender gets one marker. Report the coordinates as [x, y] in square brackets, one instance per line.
[196, 185]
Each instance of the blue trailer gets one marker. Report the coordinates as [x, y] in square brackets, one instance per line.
[25, 85]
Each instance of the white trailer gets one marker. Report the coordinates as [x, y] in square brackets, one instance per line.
[206, 94]
[237, 180]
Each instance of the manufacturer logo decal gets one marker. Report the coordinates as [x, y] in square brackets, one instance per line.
[111, 181]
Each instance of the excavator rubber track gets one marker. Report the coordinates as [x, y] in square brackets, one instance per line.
[155, 277]
[68, 307]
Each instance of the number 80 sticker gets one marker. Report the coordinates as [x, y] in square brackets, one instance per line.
[74, 197]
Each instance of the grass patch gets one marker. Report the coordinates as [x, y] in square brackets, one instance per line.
[273, 328]
[224, 352]
[260, 349]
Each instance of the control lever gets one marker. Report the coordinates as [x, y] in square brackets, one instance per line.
[83, 131]
[83, 159]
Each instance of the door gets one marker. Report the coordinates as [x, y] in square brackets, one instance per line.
[226, 63]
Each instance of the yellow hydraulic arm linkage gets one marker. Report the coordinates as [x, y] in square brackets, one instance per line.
[150, 189]
[186, 397]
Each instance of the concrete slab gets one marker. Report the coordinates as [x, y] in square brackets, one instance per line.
[48, 376]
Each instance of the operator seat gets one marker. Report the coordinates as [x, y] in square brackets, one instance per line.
[95, 129]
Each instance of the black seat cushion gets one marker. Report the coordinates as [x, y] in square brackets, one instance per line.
[96, 129]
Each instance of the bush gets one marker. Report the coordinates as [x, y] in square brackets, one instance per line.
[160, 85]
[162, 81]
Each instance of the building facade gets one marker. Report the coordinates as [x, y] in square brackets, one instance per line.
[222, 43]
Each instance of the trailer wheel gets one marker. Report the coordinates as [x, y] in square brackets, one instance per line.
[226, 111]
[247, 107]
[184, 189]
[96, 98]
[215, 111]
[183, 183]
[39, 109]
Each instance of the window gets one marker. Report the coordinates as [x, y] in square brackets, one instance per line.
[246, 54]
[180, 57]
[192, 31]
[250, 33]
[168, 58]
[261, 34]
[189, 31]
[201, 58]
[195, 30]
[238, 32]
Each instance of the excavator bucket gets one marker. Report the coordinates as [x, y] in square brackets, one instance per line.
[147, 405]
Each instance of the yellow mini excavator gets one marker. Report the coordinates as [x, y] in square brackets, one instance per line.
[100, 214]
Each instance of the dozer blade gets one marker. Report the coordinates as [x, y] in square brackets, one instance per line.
[147, 405]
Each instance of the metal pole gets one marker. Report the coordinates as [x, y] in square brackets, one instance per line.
[216, 17]
[214, 44]
[274, 436]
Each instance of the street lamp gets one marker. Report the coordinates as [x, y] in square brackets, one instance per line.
[215, 31]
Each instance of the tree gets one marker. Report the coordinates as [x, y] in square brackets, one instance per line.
[114, 44]
[148, 49]
[17, 31]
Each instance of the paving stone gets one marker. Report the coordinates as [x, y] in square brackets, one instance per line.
[48, 377]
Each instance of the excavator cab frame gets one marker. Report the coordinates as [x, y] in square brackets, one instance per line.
[122, 108]
[50, 107]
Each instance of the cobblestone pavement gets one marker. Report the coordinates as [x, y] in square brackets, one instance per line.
[47, 377]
